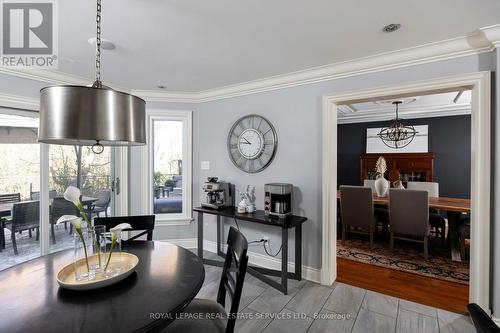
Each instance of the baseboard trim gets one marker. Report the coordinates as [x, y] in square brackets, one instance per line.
[308, 273]
[497, 321]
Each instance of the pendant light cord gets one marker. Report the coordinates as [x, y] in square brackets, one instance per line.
[98, 82]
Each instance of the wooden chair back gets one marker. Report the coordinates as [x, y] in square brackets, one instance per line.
[233, 274]
[144, 223]
[482, 322]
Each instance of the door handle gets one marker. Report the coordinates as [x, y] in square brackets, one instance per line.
[117, 186]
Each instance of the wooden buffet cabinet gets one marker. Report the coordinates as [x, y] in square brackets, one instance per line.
[405, 166]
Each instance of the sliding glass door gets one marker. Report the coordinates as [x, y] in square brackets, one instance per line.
[33, 178]
[91, 173]
[19, 174]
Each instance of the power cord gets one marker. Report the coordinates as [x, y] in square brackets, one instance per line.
[267, 252]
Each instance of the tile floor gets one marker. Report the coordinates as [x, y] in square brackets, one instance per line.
[310, 307]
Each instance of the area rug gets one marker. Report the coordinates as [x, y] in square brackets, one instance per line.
[407, 259]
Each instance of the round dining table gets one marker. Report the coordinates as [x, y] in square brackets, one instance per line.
[165, 281]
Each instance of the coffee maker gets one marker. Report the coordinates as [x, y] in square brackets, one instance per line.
[278, 199]
[217, 194]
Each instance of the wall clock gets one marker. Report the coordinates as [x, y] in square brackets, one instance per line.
[252, 143]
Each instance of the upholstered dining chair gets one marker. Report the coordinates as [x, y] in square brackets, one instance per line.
[381, 212]
[438, 223]
[356, 205]
[409, 217]
[143, 223]
[481, 320]
[216, 319]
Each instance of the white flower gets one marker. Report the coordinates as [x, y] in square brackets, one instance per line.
[120, 227]
[74, 220]
[73, 194]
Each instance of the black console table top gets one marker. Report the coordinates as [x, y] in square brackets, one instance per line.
[259, 216]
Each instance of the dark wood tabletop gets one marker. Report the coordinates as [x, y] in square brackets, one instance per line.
[440, 203]
[166, 279]
[259, 216]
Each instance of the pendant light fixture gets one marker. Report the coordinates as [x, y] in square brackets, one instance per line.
[397, 135]
[94, 115]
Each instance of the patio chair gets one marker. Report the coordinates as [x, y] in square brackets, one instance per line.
[36, 195]
[60, 207]
[6, 198]
[102, 203]
[25, 216]
[9, 198]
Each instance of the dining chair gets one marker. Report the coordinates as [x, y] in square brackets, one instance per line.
[25, 216]
[381, 212]
[60, 207]
[102, 203]
[463, 234]
[481, 320]
[144, 223]
[438, 223]
[356, 206]
[215, 318]
[409, 217]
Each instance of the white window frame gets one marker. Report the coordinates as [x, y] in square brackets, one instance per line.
[187, 157]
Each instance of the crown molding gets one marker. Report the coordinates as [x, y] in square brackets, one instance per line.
[411, 113]
[53, 77]
[166, 96]
[19, 102]
[492, 33]
[484, 40]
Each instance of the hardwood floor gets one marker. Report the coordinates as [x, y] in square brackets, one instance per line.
[441, 294]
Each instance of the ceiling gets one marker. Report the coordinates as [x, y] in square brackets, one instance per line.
[434, 105]
[196, 45]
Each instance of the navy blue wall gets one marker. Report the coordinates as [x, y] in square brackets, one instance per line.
[449, 140]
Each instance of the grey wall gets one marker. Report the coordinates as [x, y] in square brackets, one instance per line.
[449, 140]
[296, 113]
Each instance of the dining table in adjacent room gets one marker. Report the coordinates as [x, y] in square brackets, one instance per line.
[454, 208]
[165, 281]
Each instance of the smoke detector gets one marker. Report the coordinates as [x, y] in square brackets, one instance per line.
[391, 27]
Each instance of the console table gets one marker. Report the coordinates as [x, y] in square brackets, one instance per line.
[260, 217]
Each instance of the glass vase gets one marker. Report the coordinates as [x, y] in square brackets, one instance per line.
[82, 240]
[98, 249]
[114, 264]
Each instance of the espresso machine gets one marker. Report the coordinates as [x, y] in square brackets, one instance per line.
[217, 194]
[278, 199]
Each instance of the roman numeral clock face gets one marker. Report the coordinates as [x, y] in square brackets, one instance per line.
[252, 143]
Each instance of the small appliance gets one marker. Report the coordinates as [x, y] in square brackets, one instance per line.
[218, 194]
[278, 199]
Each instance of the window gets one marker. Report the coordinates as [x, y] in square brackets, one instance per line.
[169, 166]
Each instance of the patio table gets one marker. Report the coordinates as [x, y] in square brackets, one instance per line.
[6, 210]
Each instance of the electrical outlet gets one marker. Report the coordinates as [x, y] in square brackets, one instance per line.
[266, 239]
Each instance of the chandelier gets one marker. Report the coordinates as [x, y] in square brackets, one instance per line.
[397, 135]
[94, 115]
